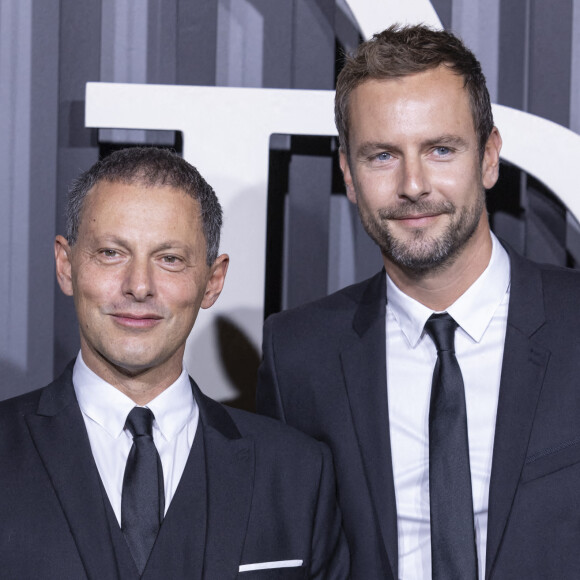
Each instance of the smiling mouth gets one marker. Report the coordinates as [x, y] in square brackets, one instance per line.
[416, 217]
[414, 212]
[416, 220]
[136, 321]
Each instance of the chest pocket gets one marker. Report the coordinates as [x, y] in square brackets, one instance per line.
[295, 573]
[551, 460]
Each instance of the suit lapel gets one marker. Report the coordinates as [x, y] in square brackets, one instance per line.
[59, 434]
[364, 368]
[230, 482]
[523, 369]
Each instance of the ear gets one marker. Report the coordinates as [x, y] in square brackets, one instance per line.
[490, 163]
[62, 255]
[216, 280]
[348, 181]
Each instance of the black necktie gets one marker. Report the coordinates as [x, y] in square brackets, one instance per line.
[143, 499]
[453, 551]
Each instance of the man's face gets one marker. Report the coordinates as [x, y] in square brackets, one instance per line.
[138, 275]
[414, 168]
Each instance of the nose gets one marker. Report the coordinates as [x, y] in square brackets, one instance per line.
[415, 181]
[138, 281]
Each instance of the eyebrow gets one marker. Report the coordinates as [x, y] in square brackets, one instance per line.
[105, 239]
[370, 147]
[169, 246]
[454, 140]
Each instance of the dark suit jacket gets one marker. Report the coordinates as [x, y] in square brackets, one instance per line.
[270, 497]
[324, 373]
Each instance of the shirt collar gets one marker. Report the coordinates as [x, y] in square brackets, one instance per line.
[109, 407]
[472, 311]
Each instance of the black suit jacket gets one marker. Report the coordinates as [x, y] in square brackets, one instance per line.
[270, 497]
[324, 373]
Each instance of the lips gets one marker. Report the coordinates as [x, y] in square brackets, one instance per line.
[416, 211]
[131, 320]
[416, 217]
[417, 221]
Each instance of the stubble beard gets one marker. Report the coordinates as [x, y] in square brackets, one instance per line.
[424, 252]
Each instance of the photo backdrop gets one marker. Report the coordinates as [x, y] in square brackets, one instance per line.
[302, 238]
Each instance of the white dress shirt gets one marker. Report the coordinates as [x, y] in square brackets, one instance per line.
[105, 411]
[481, 313]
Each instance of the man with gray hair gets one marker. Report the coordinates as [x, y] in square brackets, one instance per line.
[447, 384]
[122, 467]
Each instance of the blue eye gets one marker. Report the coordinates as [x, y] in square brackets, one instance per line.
[383, 156]
[442, 150]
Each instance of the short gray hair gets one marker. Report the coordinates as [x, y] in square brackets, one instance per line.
[149, 166]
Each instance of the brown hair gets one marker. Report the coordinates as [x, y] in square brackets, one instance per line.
[404, 50]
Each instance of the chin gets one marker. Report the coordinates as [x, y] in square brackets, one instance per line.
[132, 364]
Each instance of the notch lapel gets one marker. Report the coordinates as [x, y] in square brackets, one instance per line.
[230, 465]
[364, 367]
[523, 369]
[60, 436]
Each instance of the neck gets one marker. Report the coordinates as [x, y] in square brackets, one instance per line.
[140, 385]
[441, 287]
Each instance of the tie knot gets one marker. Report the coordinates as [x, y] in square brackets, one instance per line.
[441, 329]
[140, 422]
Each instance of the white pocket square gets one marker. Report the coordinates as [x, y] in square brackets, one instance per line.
[269, 565]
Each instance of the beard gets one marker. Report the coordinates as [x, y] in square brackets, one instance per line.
[424, 252]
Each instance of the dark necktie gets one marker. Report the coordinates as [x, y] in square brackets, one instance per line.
[143, 499]
[453, 550]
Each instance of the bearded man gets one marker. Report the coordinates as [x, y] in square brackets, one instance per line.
[447, 384]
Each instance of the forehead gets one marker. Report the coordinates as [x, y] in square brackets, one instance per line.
[432, 100]
[119, 208]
